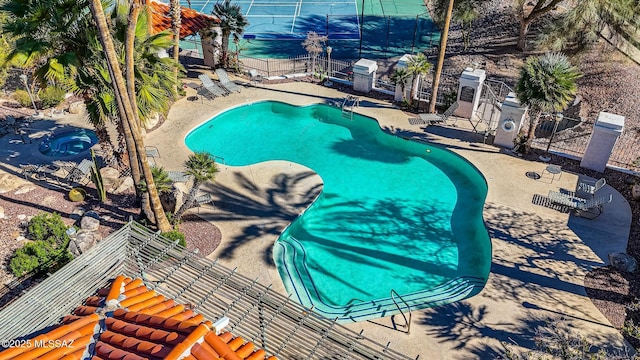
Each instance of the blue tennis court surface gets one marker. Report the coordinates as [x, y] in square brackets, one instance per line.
[282, 19]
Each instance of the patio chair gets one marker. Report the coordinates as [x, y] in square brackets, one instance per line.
[255, 77]
[203, 200]
[209, 88]
[428, 119]
[80, 173]
[591, 186]
[226, 82]
[28, 170]
[67, 166]
[39, 172]
[152, 153]
[178, 176]
[587, 208]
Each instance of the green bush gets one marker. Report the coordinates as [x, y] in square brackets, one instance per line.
[22, 97]
[174, 235]
[38, 256]
[51, 96]
[48, 227]
[48, 251]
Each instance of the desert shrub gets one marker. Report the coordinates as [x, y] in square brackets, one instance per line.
[51, 96]
[174, 235]
[48, 251]
[38, 256]
[48, 227]
[22, 97]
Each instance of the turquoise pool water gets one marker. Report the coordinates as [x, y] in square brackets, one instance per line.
[393, 214]
[68, 143]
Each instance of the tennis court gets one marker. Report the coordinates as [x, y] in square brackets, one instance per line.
[293, 19]
[383, 28]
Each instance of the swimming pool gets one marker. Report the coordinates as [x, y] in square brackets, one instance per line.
[393, 214]
[68, 143]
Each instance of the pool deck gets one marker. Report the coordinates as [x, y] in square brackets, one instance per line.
[540, 255]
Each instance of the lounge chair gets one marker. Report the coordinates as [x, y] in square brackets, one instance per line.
[210, 88]
[226, 82]
[591, 186]
[178, 176]
[39, 172]
[203, 200]
[255, 77]
[428, 119]
[80, 173]
[587, 208]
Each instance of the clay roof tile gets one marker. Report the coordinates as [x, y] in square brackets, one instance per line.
[192, 21]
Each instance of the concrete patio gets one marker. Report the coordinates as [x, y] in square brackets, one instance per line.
[540, 255]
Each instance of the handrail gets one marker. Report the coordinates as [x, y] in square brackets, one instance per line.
[407, 322]
[216, 157]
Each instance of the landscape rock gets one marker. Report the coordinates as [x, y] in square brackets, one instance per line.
[9, 182]
[635, 192]
[89, 223]
[76, 107]
[1, 212]
[25, 189]
[77, 213]
[125, 186]
[22, 217]
[83, 241]
[110, 177]
[623, 262]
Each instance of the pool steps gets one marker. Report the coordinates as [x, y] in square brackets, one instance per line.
[290, 255]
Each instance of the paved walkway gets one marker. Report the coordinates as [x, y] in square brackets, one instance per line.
[540, 255]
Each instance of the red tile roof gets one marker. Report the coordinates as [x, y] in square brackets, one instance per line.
[192, 21]
[128, 321]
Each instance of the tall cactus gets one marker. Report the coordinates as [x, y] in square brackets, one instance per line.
[96, 177]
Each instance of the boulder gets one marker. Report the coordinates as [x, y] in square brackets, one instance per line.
[623, 262]
[1, 212]
[25, 189]
[125, 186]
[83, 241]
[635, 192]
[89, 223]
[76, 107]
[77, 213]
[110, 177]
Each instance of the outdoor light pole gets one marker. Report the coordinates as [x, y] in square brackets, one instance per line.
[23, 77]
[557, 118]
[329, 49]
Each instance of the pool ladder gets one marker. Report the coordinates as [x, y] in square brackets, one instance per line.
[348, 104]
[407, 322]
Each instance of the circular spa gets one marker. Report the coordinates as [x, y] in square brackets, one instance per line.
[396, 221]
[68, 143]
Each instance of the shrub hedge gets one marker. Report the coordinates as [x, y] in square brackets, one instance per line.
[48, 251]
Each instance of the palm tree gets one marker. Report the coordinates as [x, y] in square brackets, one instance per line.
[400, 77]
[465, 12]
[584, 24]
[126, 112]
[202, 167]
[232, 23]
[176, 24]
[546, 83]
[161, 178]
[418, 65]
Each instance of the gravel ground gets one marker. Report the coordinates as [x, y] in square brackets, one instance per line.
[22, 203]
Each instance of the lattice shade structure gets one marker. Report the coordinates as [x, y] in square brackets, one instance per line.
[167, 276]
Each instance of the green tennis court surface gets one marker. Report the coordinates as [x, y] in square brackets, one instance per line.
[379, 28]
